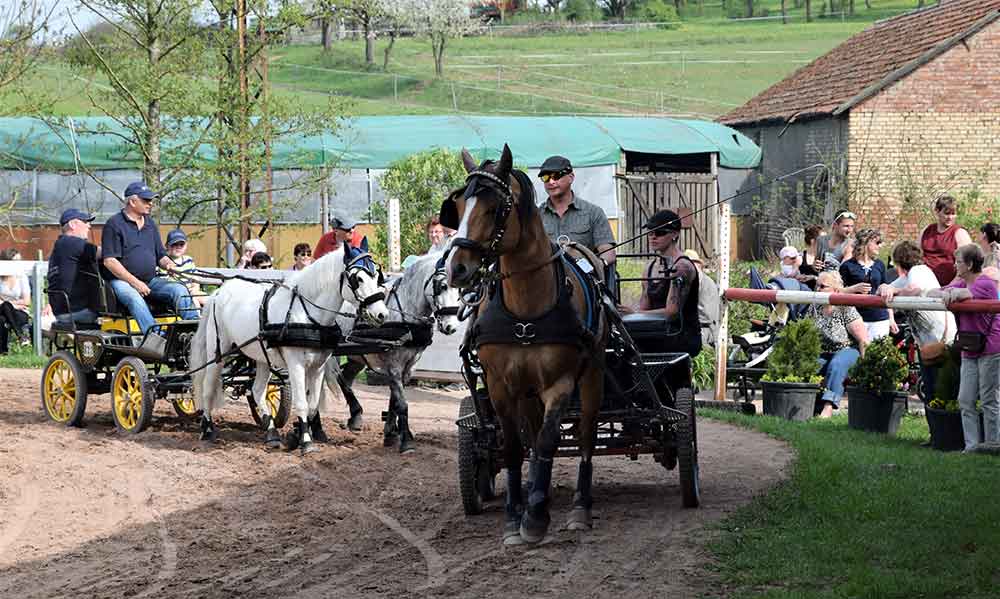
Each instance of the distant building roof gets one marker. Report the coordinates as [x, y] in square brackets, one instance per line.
[868, 62]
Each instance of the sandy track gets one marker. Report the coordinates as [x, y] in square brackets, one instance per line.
[89, 513]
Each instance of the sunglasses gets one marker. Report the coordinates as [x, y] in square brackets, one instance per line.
[546, 177]
[845, 214]
[302, 254]
[264, 266]
[658, 232]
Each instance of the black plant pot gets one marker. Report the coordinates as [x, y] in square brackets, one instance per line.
[875, 412]
[946, 429]
[791, 401]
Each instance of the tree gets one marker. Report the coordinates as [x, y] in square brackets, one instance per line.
[22, 26]
[809, 16]
[749, 8]
[367, 13]
[398, 16]
[442, 20]
[616, 8]
[153, 63]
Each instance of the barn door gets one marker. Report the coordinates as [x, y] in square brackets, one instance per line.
[688, 194]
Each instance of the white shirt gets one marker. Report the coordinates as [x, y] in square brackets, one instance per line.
[928, 325]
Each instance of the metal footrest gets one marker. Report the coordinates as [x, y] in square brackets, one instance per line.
[468, 422]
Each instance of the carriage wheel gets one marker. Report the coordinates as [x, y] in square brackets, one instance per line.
[132, 396]
[184, 406]
[279, 401]
[687, 449]
[64, 389]
[475, 474]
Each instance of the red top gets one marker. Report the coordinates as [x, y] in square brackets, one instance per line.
[328, 242]
[939, 252]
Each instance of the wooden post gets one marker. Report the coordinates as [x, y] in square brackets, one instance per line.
[395, 249]
[721, 340]
[36, 306]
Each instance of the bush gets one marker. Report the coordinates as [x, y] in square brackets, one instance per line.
[420, 182]
[703, 369]
[795, 356]
[656, 11]
[975, 210]
[882, 369]
[582, 11]
[740, 313]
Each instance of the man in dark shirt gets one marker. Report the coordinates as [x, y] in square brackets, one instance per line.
[73, 270]
[132, 249]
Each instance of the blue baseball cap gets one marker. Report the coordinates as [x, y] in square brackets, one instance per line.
[73, 213]
[138, 188]
[176, 236]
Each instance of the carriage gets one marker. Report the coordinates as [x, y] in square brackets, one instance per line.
[106, 356]
[648, 408]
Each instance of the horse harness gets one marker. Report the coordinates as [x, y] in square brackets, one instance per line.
[560, 324]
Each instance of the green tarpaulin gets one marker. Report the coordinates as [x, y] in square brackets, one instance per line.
[376, 142]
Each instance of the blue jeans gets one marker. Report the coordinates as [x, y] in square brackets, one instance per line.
[85, 315]
[161, 289]
[834, 370]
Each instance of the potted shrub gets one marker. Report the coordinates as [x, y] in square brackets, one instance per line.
[875, 398]
[791, 382]
[943, 418]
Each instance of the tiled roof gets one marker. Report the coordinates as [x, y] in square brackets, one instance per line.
[868, 62]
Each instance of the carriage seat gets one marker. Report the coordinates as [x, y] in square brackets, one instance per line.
[654, 333]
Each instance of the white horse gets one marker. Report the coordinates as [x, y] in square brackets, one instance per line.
[421, 296]
[312, 296]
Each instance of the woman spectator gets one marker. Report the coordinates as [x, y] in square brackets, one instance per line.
[833, 249]
[864, 273]
[843, 341]
[940, 240]
[928, 326]
[980, 373]
[250, 248]
[302, 255]
[15, 297]
[989, 242]
[809, 253]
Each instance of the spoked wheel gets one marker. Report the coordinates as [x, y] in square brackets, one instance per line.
[184, 405]
[279, 402]
[687, 449]
[64, 389]
[476, 478]
[132, 396]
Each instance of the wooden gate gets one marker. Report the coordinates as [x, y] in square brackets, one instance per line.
[688, 194]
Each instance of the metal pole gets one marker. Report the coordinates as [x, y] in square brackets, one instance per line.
[770, 296]
[36, 307]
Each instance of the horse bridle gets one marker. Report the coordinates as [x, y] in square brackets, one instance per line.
[351, 274]
[488, 253]
[438, 283]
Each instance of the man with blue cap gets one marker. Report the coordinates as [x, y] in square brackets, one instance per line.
[73, 273]
[132, 250]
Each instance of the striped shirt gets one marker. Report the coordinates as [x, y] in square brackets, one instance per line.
[583, 222]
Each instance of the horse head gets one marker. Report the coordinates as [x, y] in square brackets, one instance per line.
[490, 214]
[444, 299]
[362, 283]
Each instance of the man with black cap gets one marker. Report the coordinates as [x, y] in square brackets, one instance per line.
[341, 230]
[565, 213]
[132, 250]
[672, 290]
[72, 275]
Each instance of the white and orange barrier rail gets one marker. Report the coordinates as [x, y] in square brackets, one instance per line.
[858, 300]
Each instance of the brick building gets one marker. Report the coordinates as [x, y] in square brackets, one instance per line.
[901, 112]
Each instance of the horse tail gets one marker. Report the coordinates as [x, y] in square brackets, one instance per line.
[330, 394]
[198, 357]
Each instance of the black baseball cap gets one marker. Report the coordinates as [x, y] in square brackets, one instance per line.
[138, 188]
[72, 213]
[664, 220]
[555, 164]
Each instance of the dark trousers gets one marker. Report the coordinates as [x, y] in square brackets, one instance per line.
[11, 320]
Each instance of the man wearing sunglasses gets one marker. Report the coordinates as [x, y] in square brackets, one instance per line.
[132, 249]
[565, 213]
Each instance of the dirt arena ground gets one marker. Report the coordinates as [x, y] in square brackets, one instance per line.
[89, 513]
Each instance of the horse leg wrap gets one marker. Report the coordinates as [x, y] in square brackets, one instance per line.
[209, 433]
[272, 439]
[306, 441]
[405, 437]
[391, 428]
[585, 474]
[316, 428]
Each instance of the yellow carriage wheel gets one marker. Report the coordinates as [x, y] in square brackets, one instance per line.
[279, 402]
[184, 405]
[132, 396]
[64, 389]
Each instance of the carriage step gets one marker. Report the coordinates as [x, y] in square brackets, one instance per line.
[468, 422]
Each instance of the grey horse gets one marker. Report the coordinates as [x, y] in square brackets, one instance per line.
[416, 300]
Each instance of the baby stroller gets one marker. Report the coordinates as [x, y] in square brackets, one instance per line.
[747, 360]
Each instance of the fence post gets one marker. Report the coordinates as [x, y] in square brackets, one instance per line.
[721, 340]
[499, 75]
[454, 98]
[395, 88]
[395, 242]
[36, 308]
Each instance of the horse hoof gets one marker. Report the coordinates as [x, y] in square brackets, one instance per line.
[291, 441]
[533, 529]
[354, 423]
[390, 440]
[272, 444]
[512, 534]
[579, 519]
[407, 449]
[320, 436]
[308, 448]
[272, 440]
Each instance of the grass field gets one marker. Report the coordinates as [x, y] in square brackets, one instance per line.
[703, 68]
[865, 515]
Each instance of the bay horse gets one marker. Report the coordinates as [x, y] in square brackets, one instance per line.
[501, 248]
[311, 297]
